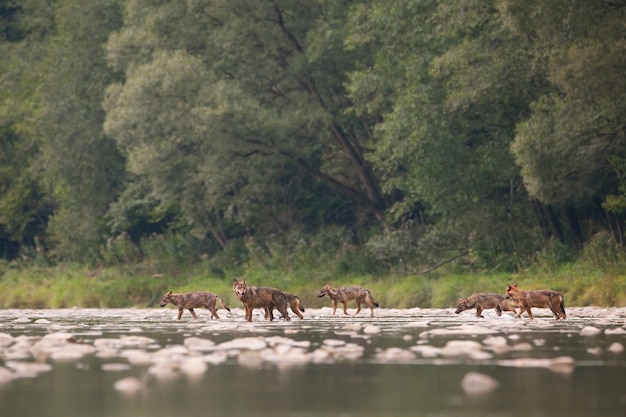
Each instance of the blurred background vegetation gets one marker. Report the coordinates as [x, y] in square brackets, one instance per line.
[424, 148]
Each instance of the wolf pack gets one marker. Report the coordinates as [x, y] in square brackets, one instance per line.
[514, 300]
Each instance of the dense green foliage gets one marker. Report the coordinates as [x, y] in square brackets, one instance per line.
[379, 137]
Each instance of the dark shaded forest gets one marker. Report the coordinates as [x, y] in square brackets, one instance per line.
[406, 133]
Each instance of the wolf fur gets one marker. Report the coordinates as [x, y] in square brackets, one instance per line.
[260, 297]
[537, 298]
[482, 301]
[294, 302]
[343, 295]
[193, 300]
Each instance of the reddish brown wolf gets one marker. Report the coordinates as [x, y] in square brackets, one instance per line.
[191, 300]
[482, 301]
[537, 298]
[260, 297]
[294, 302]
[344, 295]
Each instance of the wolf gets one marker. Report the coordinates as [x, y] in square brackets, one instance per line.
[294, 302]
[260, 297]
[344, 295]
[482, 301]
[191, 300]
[537, 298]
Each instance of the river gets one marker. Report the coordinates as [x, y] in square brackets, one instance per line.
[421, 362]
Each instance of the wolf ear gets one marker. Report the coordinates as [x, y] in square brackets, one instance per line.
[169, 293]
[235, 280]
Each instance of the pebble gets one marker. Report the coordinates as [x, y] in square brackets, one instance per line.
[616, 347]
[130, 385]
[474, 383]
[590, 331]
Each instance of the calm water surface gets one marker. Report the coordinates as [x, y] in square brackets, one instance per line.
[391, 376]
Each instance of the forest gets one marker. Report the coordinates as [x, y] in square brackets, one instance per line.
[386, 136]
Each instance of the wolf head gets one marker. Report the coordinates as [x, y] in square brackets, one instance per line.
[166, 299]
[462, 305]
[512, 292]
[324, 291]
[240, 288]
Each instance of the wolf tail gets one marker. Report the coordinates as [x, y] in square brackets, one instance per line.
[371, 300]
[222, 303]
[562, 305]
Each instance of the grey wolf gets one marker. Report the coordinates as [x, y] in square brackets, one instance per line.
[260, 297]
[191, 300]
[344, 295]
[482, 301]
[537, 298]
[294, 302]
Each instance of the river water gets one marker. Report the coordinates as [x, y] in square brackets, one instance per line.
[419, 362]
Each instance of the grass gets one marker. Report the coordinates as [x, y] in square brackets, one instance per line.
[73, 285]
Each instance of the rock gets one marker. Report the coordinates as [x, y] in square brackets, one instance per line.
[474, 383]
[22, 320]
[28, 369]
[130, 385]
[371, 329]
[616, 347]
[199, 344]
[427, 351]
[590, 331]
[193, 367]
[116, 367]
[464, 348]
[333, 343]
[495, 341]
[135, 341]
[564, 364]
[395, 354]
[244, 343]
[215, 358]
[165, 371]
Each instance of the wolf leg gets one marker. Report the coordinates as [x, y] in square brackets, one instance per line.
[530, 314]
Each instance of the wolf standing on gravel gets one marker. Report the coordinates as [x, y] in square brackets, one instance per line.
[482, 301]
[294, 302]
[260, 297]
[191, 300]
[343, 295]
[537, 298]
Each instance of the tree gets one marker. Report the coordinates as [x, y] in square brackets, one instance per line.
[80, 164]
[25, 205]
[229, 107]
[572, 147]
[448, 84]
